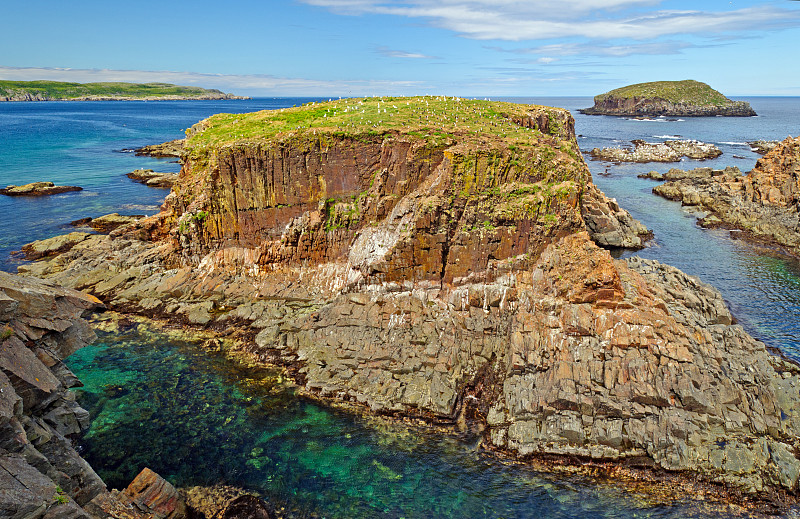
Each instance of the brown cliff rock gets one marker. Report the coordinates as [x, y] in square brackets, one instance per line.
[454, 279]
[765, 202]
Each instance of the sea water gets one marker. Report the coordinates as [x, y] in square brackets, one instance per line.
[199, 419]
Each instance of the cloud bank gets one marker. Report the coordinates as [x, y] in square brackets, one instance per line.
[517, 20]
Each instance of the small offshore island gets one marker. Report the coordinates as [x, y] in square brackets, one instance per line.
[687, 98]
[60, 91]
[443, 259]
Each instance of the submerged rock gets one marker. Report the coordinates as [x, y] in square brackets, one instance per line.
[449, 276]
[764, 203]
[37, 189]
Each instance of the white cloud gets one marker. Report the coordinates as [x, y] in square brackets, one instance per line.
[253, 84]
[391, 53]
[516, 20]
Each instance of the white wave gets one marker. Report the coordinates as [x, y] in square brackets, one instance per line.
[735, 143]
[667, 136]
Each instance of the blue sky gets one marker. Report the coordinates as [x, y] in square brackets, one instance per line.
[371, 47]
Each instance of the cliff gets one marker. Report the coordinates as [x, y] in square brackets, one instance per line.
[61, 91]
[40, 324]
[764, 203]
[668, 98]
[436, 258]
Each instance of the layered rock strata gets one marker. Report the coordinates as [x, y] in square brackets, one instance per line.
[765, 202]
[42, 475]
[453, 278]
[667, 151]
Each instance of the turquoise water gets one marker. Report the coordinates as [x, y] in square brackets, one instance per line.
[197, 419]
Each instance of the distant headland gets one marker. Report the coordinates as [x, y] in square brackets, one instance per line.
[60, 91]
[687, 98]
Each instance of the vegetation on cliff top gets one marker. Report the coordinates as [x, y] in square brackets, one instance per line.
[677, 92]
[56, 90]
[437, 120]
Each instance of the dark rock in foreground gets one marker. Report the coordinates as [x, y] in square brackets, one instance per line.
[40, 324]
[668, 98]
[37, 189]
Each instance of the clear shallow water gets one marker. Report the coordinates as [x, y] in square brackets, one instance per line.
[195, 419]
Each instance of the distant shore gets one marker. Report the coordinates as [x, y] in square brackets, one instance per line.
[37, 98]
[21, 91]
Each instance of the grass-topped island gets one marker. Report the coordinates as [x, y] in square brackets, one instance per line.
[687, 98]
[109, 91]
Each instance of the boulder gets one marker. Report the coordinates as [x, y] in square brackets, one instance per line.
[37, 189]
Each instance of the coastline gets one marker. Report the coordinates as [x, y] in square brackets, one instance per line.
[34, 99]
[452, 422]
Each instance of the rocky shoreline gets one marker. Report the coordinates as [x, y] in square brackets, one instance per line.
[763, 203]
[408, 279]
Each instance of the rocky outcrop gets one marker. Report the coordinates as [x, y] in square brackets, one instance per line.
[163, 150]
[455, 281]
[764, 203]
[668, 98]
[667, 151]
[37, 189]
[609, 225]
[152, 178]
[40, 472]
[680, 174]
[762, 147]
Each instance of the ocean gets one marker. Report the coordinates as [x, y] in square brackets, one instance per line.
[313, 459]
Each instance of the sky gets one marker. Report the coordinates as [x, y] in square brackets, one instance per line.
[411, 47]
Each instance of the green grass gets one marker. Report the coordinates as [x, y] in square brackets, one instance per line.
[60, 90]
[678, 92]
[440, 121]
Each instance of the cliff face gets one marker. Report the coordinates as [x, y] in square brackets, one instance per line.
[765, 202]
[40, 324]
[453, 275]
[655, 107]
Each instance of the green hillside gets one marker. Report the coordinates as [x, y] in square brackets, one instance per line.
[55, 90]
[677, 92]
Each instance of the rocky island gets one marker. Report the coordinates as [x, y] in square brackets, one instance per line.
[439, 258]
[61, 91]
[687, 98]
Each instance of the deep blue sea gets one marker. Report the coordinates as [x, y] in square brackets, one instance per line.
[197, 419]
